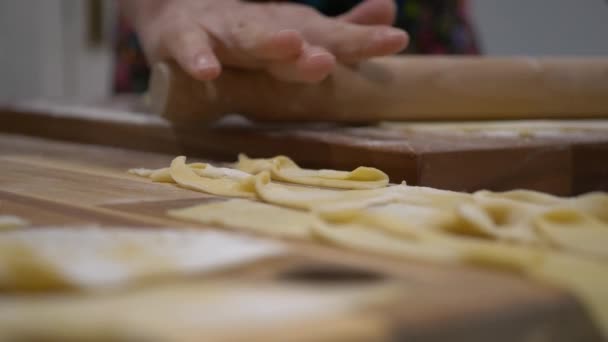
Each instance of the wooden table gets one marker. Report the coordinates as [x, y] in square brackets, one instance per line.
[554, 157]
[56, 183]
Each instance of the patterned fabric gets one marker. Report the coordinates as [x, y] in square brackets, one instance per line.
[131, 72]
[434, 26]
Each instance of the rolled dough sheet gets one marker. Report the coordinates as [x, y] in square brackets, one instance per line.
[250, 215]
[11, 222]
[223, 186]
[81, 257]
[194, 311]
[282, 168]
[202, 177]
[301, 197]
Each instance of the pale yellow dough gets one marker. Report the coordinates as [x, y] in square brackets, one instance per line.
[301, 197]
[223, 186]
[562, 241]
[46, 258]
[197, 310]
[8, 222]
[284, 169]
[253, 216]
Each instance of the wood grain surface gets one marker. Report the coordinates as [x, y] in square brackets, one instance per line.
[55, 183]
[562, 160]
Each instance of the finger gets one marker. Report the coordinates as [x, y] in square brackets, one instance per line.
[192, 50]
[372, 12]
[252, 44]
[352, 42]
[281, 45]
[314, 65]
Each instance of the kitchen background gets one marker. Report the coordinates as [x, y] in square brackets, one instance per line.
[62, 48]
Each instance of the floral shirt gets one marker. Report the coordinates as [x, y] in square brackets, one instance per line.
[434, 26]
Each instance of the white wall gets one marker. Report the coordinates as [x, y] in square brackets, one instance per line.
[44, 52]
[542, 27]
[31, 48]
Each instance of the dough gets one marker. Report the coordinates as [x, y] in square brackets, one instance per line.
[254, 216]
[585, 278]
[284, 169]
[201, 169]
[561, 241]
[198, 310]
[575, 231]
[222, 186]
[11, 222]
[555, 241]
[239, 182]
[55, 258]
[300, 197]
[360, 237]
[500, 221]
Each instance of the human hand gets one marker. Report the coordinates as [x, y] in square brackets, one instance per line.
[290, 41]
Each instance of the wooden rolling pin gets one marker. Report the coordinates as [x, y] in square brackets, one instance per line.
[396, 88]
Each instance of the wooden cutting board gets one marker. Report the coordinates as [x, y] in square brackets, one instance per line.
[54, 183]
[551, 156]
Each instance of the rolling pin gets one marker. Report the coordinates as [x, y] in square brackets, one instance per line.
[396, 88]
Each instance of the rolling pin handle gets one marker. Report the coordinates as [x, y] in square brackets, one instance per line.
[178, 97]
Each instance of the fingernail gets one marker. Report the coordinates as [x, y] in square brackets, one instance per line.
[204, 63]
[207, 67]
[322, 56]
[390, 34]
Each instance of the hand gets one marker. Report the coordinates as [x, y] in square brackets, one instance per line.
[290, 41]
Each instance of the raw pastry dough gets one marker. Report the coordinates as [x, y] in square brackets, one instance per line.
[284, 169]
[584, 277]
[49, 258]
[238, 182]
[201, 169]
[196, 311]
[223, 186]
[300, 197]
[254, 216]
[572, 230]
[558, 240]
[360, 237]
[11, 222]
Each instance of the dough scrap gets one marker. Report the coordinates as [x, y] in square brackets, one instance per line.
[222, 186]
[575, 231]
[254, 216]
[359, 237]
[201, 169]
[284, 169]
[300, 197]
[197, 310]
[58, 258]
[8, 222]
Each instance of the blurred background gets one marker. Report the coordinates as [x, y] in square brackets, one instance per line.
[63, 48]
